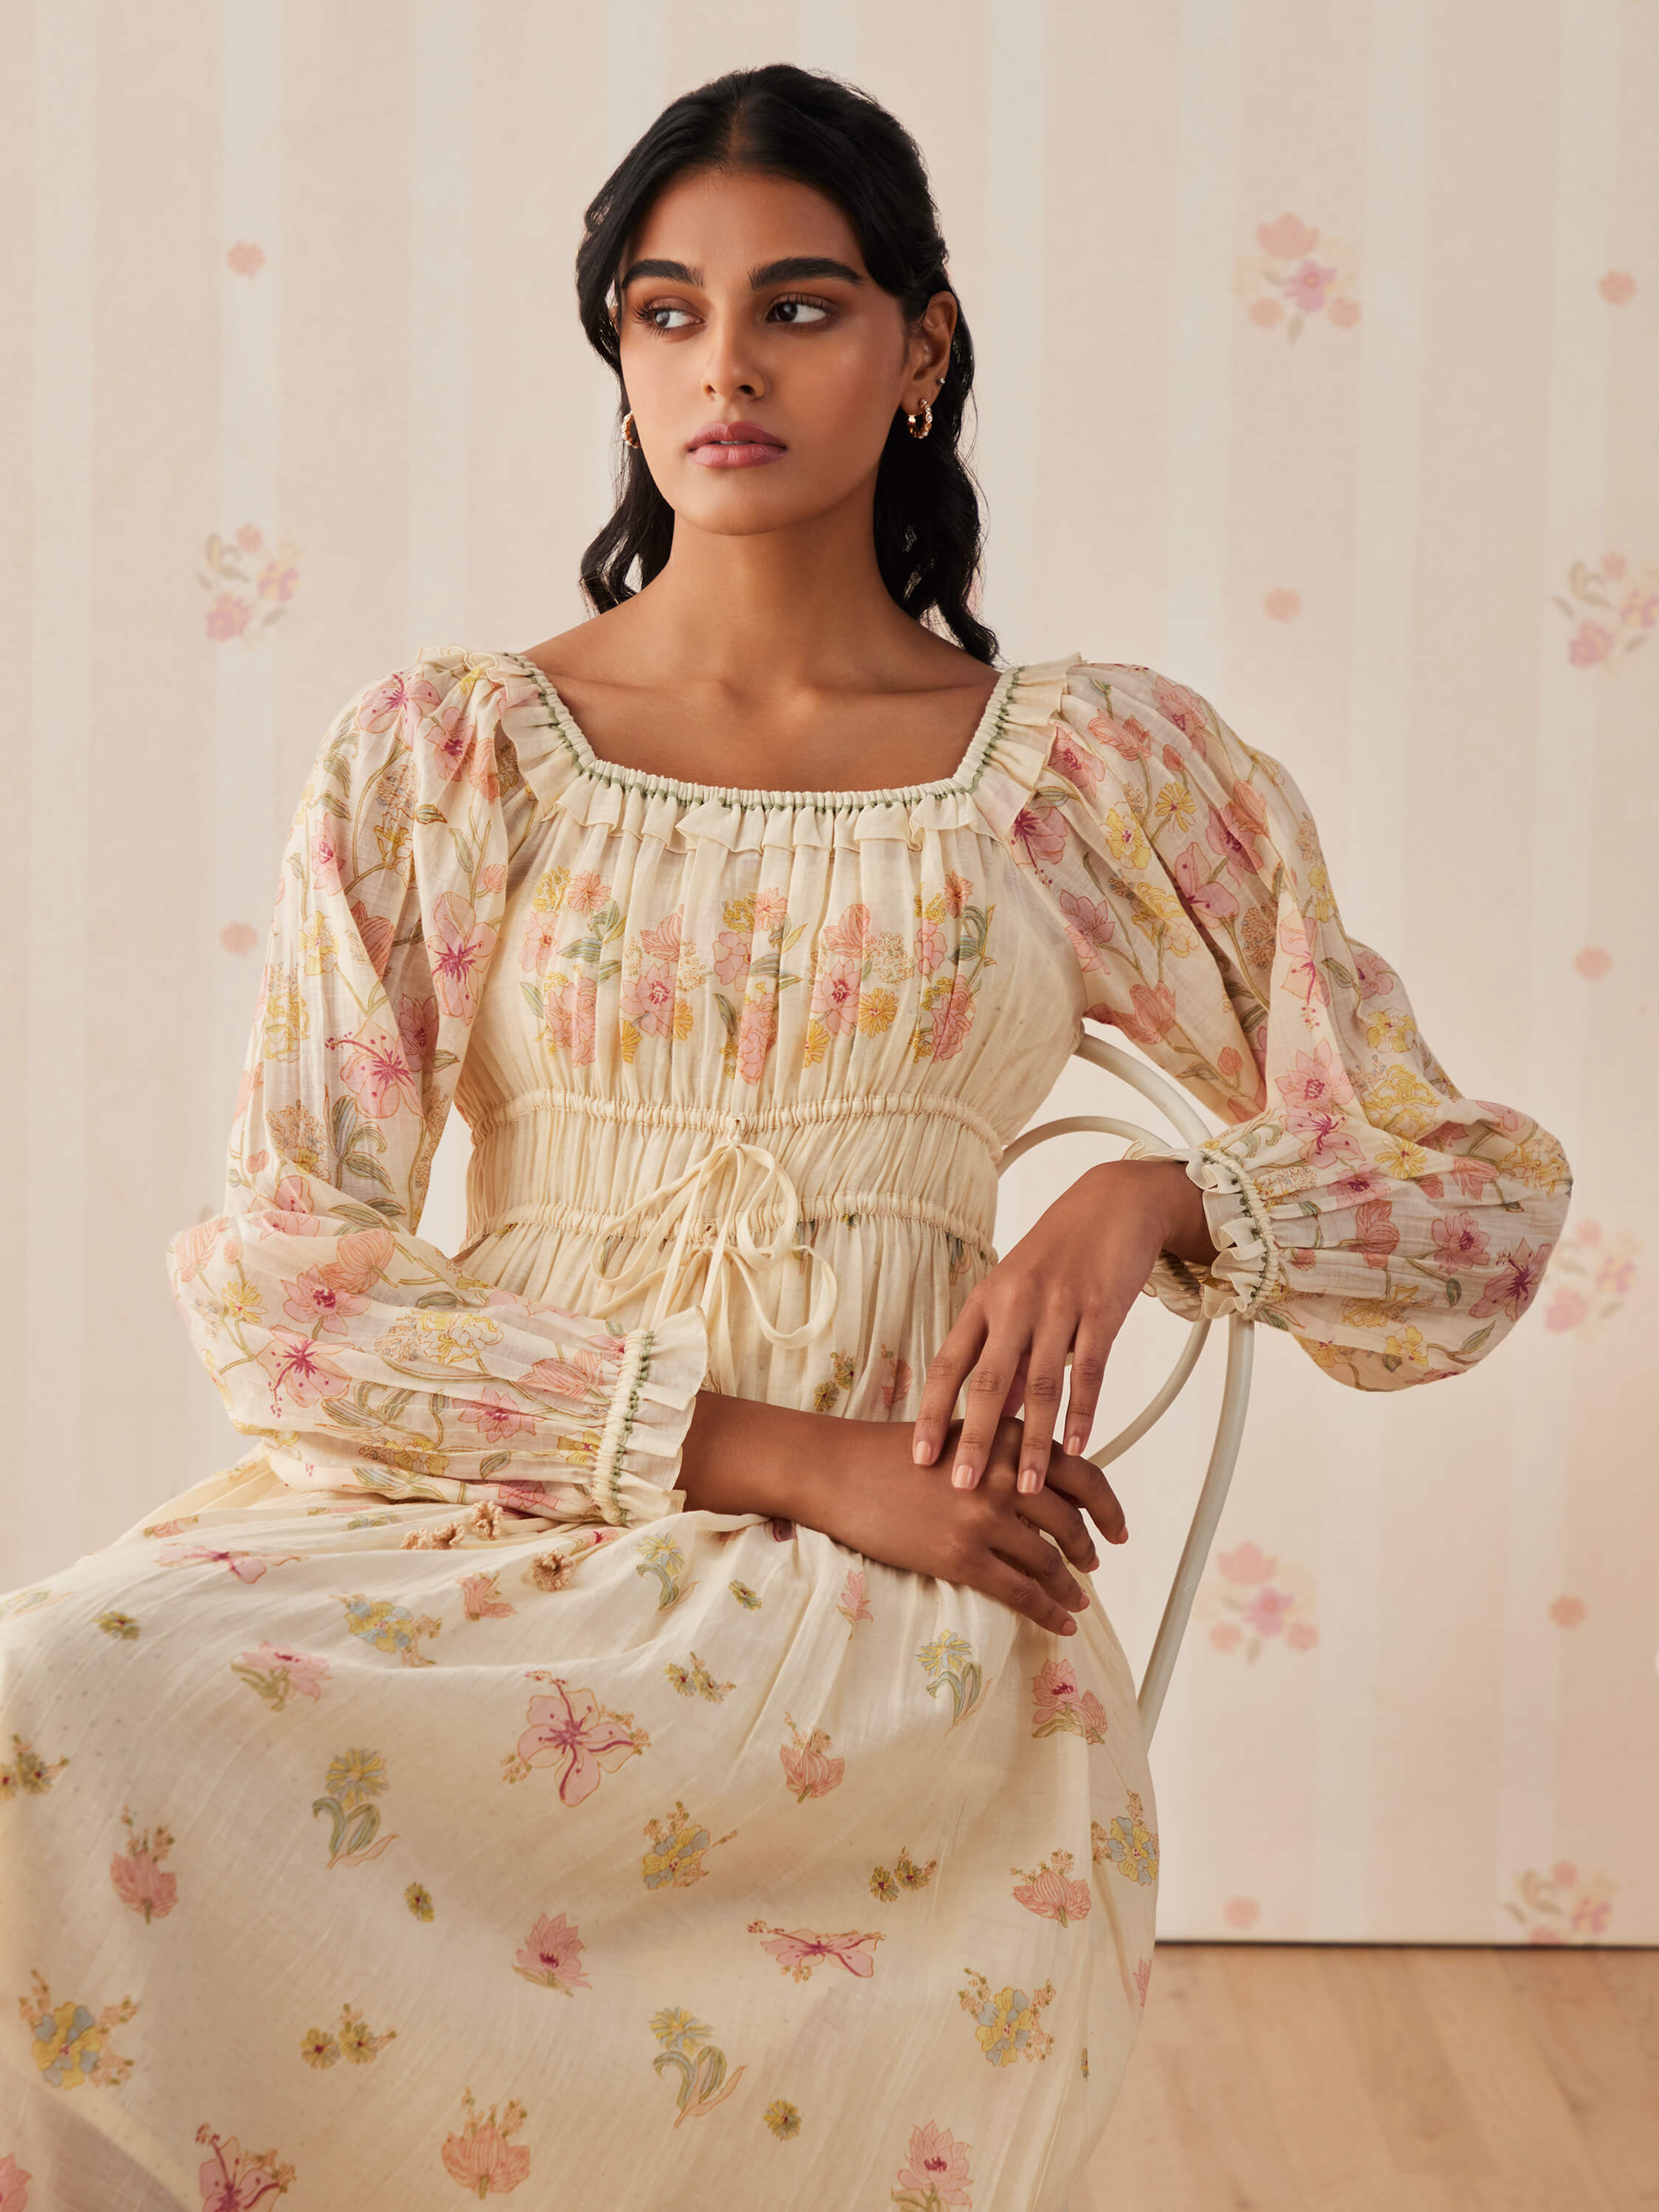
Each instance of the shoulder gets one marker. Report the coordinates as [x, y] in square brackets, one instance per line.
[452, 714]
[1140, 718]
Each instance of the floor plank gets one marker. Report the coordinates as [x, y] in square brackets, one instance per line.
[1350, 2078]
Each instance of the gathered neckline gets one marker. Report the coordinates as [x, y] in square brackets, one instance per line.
[963, 779]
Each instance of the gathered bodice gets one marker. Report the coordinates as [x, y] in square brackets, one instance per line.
[764, 1054]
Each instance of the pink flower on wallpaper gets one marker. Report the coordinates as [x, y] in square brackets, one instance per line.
[1241, 1912]
[1616, 287]
[1591, 1276]
[1563, 1906]
[240, 605]
[1253, 1600]
[278, 579]
[228, 616]
[244, 257]
[239, 937]
[1284, 282]
[1567, 1611]
[1282, 604]
[1611, 611]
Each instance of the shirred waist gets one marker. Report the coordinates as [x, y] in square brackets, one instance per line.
[575, 1162]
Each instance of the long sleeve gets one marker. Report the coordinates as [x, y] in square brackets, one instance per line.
[356, 1352]
[1396, 1229]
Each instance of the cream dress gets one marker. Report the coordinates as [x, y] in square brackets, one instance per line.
[427, 1807]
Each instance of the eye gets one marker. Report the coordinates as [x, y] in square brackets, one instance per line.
[801, 311]
[660, 308]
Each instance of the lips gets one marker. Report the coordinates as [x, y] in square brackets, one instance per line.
[735, 433]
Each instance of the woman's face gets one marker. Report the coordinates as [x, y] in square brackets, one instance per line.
[745, 302]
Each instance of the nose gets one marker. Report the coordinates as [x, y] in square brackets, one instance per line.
[729, 369]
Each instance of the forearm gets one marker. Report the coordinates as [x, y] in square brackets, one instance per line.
[743, 1455]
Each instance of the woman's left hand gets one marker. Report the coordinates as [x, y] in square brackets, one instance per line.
[1065, 1288]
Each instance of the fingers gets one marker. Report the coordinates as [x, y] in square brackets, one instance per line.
[1082, 1481]
[1093, 1340]
[1045, 1385]
[1059, 1518]
[1023, 1545]
[998, 1579]
[945, 1371]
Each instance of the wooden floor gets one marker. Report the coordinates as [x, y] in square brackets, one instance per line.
[1320, 2078]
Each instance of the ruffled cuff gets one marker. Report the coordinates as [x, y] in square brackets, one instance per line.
[1248, 1266]
[661, 1371]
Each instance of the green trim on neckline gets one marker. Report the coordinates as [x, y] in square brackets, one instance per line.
[968, 769]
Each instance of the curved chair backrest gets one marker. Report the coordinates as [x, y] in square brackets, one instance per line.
[1189, 1125]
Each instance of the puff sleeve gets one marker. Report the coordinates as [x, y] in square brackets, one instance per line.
[1396, 1229]
[357, 1354]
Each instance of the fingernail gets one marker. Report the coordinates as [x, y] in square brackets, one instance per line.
[920, 1451]
[1070, 1629]
[1094, 1561]
[1074, 1442]
[963, 1475]
[1028, 1479]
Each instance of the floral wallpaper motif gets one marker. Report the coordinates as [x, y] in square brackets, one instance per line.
[249, 582]
[1612, 609]
[1563, 1906]
[1296, 277]
[1593, 1275]
[1252, 1601]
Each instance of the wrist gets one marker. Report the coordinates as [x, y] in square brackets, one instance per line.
[743, 1455]
[1173, 1202]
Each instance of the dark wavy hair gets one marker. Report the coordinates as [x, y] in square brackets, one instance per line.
[805, 124]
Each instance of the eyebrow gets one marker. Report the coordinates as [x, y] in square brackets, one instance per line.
[794, 269]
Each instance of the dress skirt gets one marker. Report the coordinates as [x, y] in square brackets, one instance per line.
[375, 1855]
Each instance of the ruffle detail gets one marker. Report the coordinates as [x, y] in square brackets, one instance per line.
[654, 1397]
[997, 775]
[1248, 1266]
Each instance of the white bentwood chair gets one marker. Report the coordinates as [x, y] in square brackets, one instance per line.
[1191, 1129]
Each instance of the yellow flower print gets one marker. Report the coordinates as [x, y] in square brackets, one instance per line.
[358, 2041]
[286, 1019]
[1175, 803]
[1407, 1346]
[70, 2043]
[703, 2080]
[1006, 2021]
[418, 1898]
[1539, 1162]
[678, 1846]
[694, 1681]
[1128, 1845]
[119, 1623]
[677, 2030]
[783, 2118]
[318, 2048]
[356, 1776]
[317, 943]
[29, 1771]
[1387, 1032]
[445, 1336]
[1401, 1100]
[1320, 904]
[240, 1303]
[878, 1011]
[1124, 840]
[298, 1135]
[1403, 1160]
[748, 1599]
[1379, 1313]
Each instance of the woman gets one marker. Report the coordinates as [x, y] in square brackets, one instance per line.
[617, 1732]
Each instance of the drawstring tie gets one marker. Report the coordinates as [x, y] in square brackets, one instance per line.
[713, 1185]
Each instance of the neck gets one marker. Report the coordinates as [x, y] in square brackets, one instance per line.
[802, 607]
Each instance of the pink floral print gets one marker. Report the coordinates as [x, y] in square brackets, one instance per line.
[1058, 1705]
[232, 2179]
[935, 2172]
[551, 1955]
[483, 2156]
[571, 1731]
[807, 1767]
[798, 1950]
[140, 1881]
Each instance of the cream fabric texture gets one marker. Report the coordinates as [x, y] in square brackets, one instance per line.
[430, 1776]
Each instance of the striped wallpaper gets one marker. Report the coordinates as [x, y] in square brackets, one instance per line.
[1319, 347]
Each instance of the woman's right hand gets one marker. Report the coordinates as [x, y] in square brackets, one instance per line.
[857, 1481]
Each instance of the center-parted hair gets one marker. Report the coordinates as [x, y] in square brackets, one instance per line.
[805, 125]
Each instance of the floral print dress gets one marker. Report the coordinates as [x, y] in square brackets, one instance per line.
[429, 1807]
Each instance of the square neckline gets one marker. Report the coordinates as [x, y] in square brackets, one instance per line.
[962, 778]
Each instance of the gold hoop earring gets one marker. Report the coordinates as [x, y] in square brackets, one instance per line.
[629, 435]
[926, 419]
